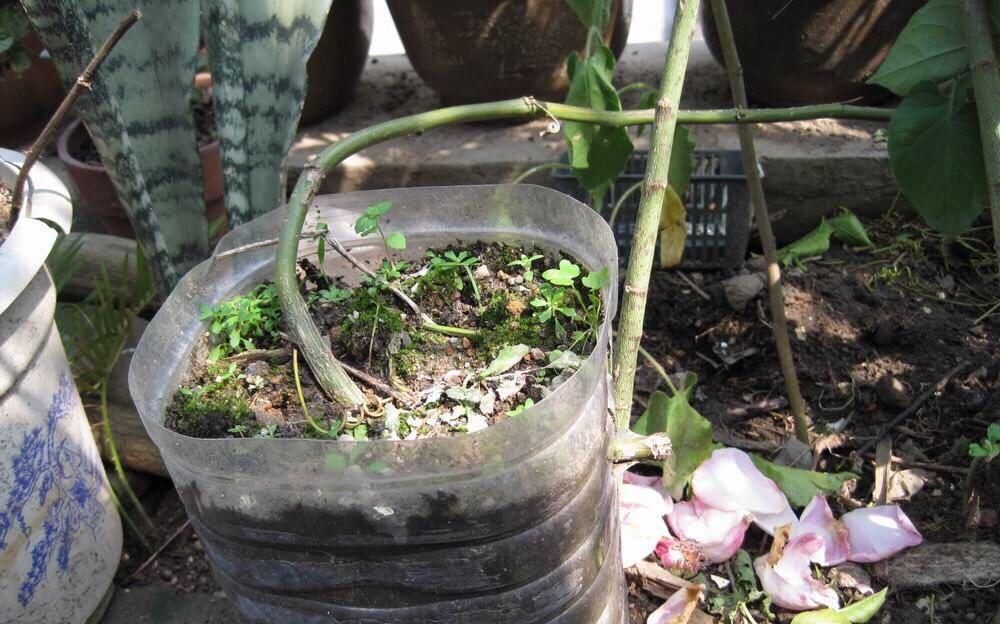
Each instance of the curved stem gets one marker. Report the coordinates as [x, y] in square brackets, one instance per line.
[540, 168]
[328, 372]
[302, 398]
[447, 330]
[621, 202]
[635, 86]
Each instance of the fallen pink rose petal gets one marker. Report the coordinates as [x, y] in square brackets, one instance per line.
[728, 480]
[678, 608]
[640, 511]
[786, 576]
[719, 533]
[770, 522]
[876, 533]
[654, 482]
[817, 518]
[681, 555]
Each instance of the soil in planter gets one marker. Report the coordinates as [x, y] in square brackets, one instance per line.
[6, 207]
[526, 330]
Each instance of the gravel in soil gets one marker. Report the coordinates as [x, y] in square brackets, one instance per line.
[534, 327]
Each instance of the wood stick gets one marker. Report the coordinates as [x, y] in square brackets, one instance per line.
[634, 448]
[339, 248]
[780, 323]
[157, 552]
[82, 82]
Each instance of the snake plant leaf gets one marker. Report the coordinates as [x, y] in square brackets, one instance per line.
[64, 28]
[936, 156]
[598, 154]
[151, 74]
[258, 52]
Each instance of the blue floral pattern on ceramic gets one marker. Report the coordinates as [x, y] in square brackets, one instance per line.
[49, 464]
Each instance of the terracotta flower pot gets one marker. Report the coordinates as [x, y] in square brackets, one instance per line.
[336, 64]
[29, 99]
[483, 50]
[811, 52]
[99, 197]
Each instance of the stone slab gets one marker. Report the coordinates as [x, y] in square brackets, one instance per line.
[811, 167]
[936, 565]
[160, 604]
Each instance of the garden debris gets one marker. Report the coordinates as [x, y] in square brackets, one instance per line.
[936, 565]
[844, 227]
[905, 484]
[795, 454]
[742, 289]
[892, 393]
[760, 407]
[851, 576]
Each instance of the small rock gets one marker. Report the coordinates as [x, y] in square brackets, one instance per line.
[487, 404]
[891, 393]
[466, 343]
[476, 422]
[258, 368]
[537, 355]
[482, 271]
[742, 289]
[502, 275]
[519, 279]
[795, 454]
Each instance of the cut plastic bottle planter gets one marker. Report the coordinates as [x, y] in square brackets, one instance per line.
[60, 535]
[515, 523]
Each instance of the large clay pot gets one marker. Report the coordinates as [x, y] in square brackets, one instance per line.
[99, 197]
[336, 64]
[60, 535]
[27, 100]
[484, 50]
[796, 53]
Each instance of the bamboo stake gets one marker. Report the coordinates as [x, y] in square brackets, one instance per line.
[640, 262]
[777, 297]
[986, 85]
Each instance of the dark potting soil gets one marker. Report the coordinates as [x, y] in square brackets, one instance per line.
[440, 385]
[6, 208]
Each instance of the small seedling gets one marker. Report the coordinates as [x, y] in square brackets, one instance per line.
[525, 263]
[371, 221]
[240, 430]
[553, 302]
[451, 266]
[268, 431]
[244, 321]
[988, 448]
[333, 295]
[520, 408]
[558, 295]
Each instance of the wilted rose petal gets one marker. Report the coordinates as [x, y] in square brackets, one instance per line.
[641, 511]
[719, 533]
[728, 480]
[785, 574]
[653, 482]
[682, 555]
[770, 522]
[876, 533]
[817, 518]
[678, 608]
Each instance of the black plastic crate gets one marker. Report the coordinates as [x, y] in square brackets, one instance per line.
[717, 203]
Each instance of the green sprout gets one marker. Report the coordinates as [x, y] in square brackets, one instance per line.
[371, 221]
[240, 430]
[557, 298]
[520, 408]
[243, 322]
[269, 431]
[525, 263]
[450, 266]
[333, 295]
[988, 448]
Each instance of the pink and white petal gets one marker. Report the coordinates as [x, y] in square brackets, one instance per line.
[817, 518]
[789, 582]
[682, 555]
[678, 608]
[640, 511]
[654, 483]
[720, 533]
[770, 522]
[876, 533]
[730, 481]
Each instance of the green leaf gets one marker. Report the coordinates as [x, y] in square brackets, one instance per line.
[378, 209]
[598, 154]
[506, 359]
[321, 252]
[845, 227]
[596, 279]
[564, 275]
[360, 432]
[801, 485]
[993, 431]
[396, 240]
[823, 616]
[975, 450]
[937, 158]
[690, 433]
[931, 47]
[864, 610]
[365, 225]
[681, 161]
[335, 461]
[848, 228]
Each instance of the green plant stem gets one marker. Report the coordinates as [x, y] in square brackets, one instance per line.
[970, 477]
[778, 321]
[302, 398]
[655, 447]
[646, 355]
[986, 85]
[328, 372]
[553, 166]
[621, 202]
[636, 86]
[116, 462]
[640, 262]
[447, 330]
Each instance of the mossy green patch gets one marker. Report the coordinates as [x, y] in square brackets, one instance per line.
[407, 361]
[501, 326]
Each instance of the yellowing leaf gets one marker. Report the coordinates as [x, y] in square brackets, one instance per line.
[673, 231]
